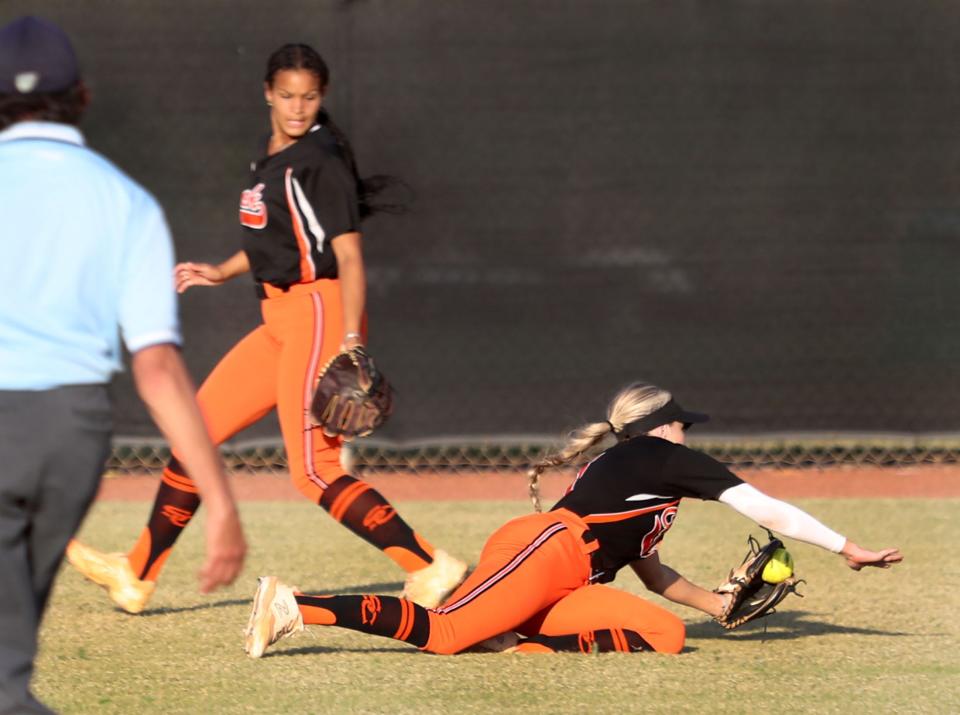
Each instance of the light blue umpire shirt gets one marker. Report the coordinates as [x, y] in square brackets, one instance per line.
[85, 257]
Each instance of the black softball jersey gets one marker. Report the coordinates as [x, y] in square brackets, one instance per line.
[629, 496]
[299, 200]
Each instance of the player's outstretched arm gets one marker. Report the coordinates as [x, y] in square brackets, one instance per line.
[663, 580]
[167, 390]
[790, 521]
[190, 274]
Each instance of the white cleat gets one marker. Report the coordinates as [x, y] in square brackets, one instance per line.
[113, 572]
[430, 585]
[275, 615]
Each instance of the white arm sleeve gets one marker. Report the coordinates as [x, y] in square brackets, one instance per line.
[781, 517]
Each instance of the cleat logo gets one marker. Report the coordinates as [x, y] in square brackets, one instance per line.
[176, 516]
[253, 212]
[378, 516]
[370, 608]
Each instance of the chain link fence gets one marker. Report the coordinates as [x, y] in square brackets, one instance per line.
[511, 454]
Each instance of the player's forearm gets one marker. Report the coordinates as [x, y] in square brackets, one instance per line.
[236, 265]
[353, 288]
[353, 282]
[168, 392]
[679, 590]
[781, 517]
[663, 580]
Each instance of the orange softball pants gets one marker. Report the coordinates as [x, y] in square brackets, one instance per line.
[276, 365]
[533, 577]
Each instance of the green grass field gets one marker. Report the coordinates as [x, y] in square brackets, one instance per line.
[878, 641]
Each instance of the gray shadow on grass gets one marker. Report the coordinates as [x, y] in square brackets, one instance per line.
[410, 650]
[782, 626]
[166, 610]
[327, 650]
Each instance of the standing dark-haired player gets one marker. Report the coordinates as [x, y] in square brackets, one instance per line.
[543, 575]
[87, 251]
[301, 215]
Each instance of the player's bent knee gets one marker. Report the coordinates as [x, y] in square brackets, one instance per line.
[315, 486]
[310, 490]
[672, 638]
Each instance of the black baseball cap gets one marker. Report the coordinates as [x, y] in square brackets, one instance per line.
[669, 413]
[36, 56]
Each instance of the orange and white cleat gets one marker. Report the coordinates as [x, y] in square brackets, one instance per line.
[275, 615]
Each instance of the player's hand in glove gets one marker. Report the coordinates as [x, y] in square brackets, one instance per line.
[352, 397]
[748, 595]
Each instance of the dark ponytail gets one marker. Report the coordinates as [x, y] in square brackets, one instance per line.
[368, 187]
[304, 57]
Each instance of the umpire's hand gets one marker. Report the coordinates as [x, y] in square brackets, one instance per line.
[226, 548]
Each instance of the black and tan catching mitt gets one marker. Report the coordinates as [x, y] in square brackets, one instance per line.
[352, 397]
[762, 580]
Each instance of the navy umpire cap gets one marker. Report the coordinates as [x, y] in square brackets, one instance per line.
[36, 56]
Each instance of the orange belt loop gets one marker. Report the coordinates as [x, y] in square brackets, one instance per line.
[588, 542]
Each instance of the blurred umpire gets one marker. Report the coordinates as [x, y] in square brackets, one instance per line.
[87, 258]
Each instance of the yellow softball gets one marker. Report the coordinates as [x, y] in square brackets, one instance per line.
[779, 567]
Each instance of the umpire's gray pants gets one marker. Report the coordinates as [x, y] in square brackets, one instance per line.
[53, 447]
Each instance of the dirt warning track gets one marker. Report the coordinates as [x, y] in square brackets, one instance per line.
[844, 482]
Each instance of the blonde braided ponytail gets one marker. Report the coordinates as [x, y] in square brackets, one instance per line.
[629, 405]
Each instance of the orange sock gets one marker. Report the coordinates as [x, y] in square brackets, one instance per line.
[313, 613]
[526, 647]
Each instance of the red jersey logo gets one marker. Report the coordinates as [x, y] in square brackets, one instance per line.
[661, 522]
[253, 212]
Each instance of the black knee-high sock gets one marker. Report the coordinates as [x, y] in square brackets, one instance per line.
[364, 511]
[386, 616]
[607, 640]
[176, 502]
